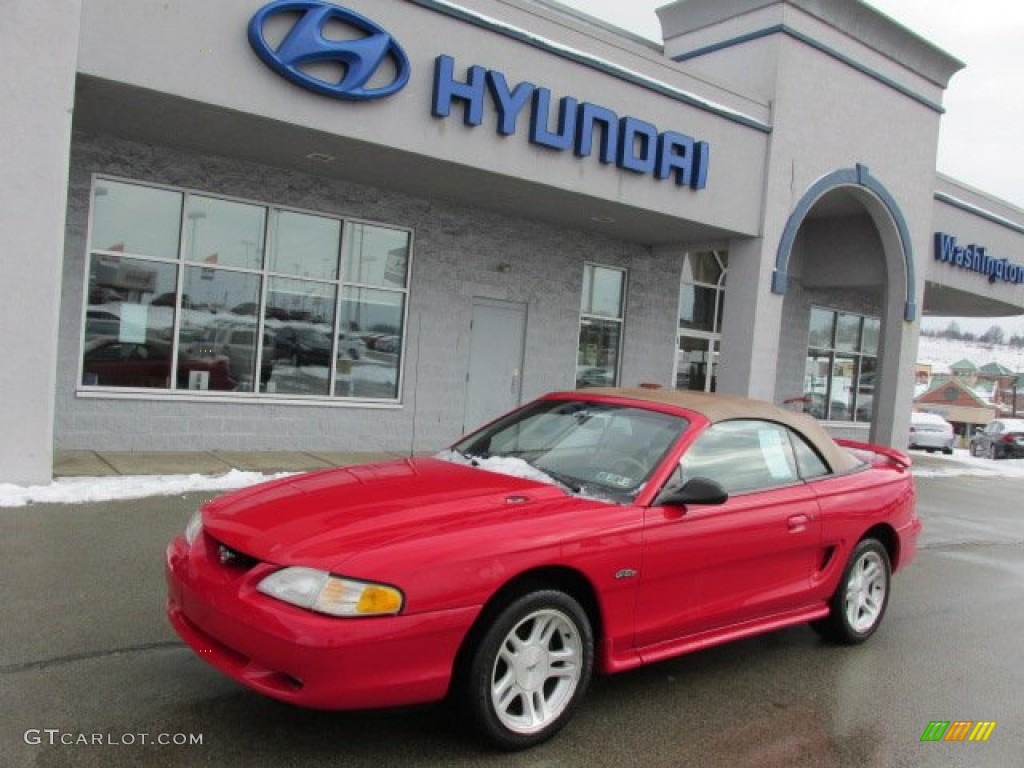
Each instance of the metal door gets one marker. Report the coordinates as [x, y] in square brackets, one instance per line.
[494, 381]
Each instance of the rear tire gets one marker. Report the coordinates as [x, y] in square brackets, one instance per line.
[530, 670]
[860, 600]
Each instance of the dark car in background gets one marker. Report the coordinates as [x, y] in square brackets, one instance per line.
[1001, 439]
[302, 346]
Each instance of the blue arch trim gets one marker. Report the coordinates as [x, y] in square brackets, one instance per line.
[859, 176]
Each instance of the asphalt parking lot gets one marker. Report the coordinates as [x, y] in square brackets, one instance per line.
[93, 676]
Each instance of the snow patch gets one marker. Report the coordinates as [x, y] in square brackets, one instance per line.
[80, 490]
[503, 465]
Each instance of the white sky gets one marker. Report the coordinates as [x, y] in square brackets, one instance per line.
[978, 141]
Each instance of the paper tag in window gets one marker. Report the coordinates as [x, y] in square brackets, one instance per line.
[134, 319]
[198, 379]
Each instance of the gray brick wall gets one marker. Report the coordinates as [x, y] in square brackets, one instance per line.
[456, 255]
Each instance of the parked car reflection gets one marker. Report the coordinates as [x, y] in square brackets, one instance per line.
[302, 346]
[109, 362]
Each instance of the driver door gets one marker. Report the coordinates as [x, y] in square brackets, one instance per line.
[709, 567]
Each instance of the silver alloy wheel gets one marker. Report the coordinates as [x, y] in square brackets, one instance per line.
[536, 671]
[866, 589]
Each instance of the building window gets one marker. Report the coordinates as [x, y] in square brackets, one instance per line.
[701, 299]
[842, 362]
[188, 291]
[602, 311]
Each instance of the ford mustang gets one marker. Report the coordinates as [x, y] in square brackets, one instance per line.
[587, 532]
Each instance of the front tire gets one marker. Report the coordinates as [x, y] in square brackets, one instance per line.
[860, 600]
[530, 669]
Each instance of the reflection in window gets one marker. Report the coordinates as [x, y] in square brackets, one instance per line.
[127, 218]
[376, 256]
[742, 456]
[601, 320]
[841, 365]
[305, 245]
[224, 232]
[701, 302]
[129, 323]
[218, 325]
[370, 342]
[602, 291]
[317, 308]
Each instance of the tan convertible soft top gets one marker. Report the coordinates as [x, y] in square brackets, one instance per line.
[719, 407]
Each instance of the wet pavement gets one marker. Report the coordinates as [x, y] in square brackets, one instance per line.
[88, 658]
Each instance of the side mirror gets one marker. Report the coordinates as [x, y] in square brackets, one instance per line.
[699, 490]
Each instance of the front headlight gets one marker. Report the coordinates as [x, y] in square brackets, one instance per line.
[325, 593]
[194, 527]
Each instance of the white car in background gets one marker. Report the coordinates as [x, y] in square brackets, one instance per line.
[931, 432]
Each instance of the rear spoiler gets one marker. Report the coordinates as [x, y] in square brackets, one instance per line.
[897, 457]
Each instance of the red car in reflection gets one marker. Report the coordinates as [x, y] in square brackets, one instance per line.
[587, 532]
[109, 362]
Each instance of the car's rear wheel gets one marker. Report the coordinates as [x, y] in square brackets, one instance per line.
[529, 670]
[860, 600]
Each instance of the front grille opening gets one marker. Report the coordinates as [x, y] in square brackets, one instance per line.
[232, 558]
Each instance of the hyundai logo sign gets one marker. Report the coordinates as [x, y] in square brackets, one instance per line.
[305, 48]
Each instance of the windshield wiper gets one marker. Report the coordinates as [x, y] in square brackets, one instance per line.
[468, 457]
[569, 482]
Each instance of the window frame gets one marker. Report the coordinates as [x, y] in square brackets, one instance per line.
[620, 320]
[181, 262]
[832, 353]
[710, 340]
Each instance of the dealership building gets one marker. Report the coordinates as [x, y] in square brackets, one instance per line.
[301, 225]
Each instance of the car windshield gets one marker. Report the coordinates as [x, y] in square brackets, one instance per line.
[599, 449]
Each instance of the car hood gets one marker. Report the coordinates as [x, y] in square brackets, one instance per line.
[321, 519]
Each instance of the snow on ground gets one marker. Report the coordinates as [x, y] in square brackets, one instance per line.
[82, 490]
[962, 464]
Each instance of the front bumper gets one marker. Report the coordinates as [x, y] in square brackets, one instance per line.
[299, 656]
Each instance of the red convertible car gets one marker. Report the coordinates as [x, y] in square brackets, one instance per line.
[589, 531]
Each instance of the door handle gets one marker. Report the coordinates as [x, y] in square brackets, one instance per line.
[798, 523]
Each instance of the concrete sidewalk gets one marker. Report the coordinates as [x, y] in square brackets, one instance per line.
[109, 463]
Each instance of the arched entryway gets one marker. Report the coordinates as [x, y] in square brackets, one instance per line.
[845, 268]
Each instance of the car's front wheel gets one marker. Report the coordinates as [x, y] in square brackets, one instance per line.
[530, 670]
[859, 602]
